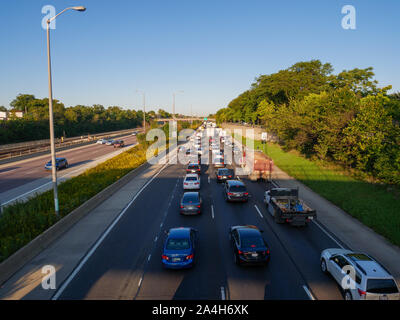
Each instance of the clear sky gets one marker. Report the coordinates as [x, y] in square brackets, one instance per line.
[212, 50]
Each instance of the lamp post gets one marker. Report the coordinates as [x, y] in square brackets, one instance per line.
[144, 109]
[173, 102]
[51, 116]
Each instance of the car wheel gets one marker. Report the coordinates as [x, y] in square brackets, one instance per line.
[66, 165]
[235, 259]
[323, 266]
[347, 295]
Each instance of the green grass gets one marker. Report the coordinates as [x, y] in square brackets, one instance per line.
[22, 222]
[375, 205]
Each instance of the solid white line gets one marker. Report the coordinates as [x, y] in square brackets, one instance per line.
[100, 240]
[222, 293]
[208, 179]
[161, 224]
[212, 211]
[155, 239]
[308, 292]
[259, 212]
[140, 281]
[149, 257]
[328, 234]
[238, 178]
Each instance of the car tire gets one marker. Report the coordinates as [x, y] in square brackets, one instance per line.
[235, 259]
[66, 165]
[324, 268]
[347, 295]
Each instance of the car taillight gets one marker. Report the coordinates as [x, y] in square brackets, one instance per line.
[268, 251]
[229, 176]
[181, 206]
[185, 184]
[165, 257]
[198, 206]
[219, 177]
[196, 183]
[361, 293]
[230, 194]
[189, 257]
[246, 193]
[240, 252]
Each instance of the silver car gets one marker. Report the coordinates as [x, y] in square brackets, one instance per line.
[359, 275]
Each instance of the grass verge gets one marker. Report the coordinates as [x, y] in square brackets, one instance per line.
[375, 205]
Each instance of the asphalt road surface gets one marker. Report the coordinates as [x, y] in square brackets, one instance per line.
[21, 173]
[127, 264]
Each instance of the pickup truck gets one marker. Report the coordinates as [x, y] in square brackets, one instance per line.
[285, 206]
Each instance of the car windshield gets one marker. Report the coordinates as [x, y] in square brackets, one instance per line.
[381, 286]
[191, 179]
[251, 242]
[237, 188]
[177, 244]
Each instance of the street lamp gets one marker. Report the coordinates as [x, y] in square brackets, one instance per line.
[51, 117]
[144, 109]
[173, 103]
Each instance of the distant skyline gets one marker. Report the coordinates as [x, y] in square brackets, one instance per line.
[212, 50]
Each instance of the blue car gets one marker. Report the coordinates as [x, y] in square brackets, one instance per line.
[179, 248]
[60, 163]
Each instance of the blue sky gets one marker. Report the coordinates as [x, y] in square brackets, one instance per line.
[212, 50]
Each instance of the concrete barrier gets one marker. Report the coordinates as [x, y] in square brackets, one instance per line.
[16, 261]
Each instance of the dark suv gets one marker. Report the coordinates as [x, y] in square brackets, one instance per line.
[224, 174]
[235, 190]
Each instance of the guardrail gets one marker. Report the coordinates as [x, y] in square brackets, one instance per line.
[44, 145]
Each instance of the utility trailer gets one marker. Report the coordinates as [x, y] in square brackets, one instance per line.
[286, 207]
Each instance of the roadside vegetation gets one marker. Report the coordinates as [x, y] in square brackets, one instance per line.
[22, 222]
[373, 204]
[342, 118]
[68, 122]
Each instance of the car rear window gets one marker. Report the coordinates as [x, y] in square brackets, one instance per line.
[191, 179]
[193, 166]
[238, 188]
[190, 198]
[251, 242]
[177, 244]
[223, 172]
[381, 286]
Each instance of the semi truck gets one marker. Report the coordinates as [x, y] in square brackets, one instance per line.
[285, 206]
[260, 166]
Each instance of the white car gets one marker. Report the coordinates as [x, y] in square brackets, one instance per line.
[191, 182]
[101, 141]
[359, 275]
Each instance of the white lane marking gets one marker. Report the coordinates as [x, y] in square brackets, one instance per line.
[212, 211]
[101, 239]
[155, 239]
[140, 281]
[259, 212]
[238, 178]
[222, 293]
[332, 238]
[308, 292]
[149, 257]
[208, 179]
[161, 224]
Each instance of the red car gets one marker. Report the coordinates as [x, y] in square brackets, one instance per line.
[119, 144]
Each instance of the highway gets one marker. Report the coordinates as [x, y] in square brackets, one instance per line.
[18, 178]
[127, 262]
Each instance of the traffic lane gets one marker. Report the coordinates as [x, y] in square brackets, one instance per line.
[33, 170]
[280, 279]
[205, 279]
[304, 245]
[115, 268]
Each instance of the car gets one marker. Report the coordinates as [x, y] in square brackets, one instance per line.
[218, 162]
[110, 142]
[249, 247]
[179, 248]
[119, 144]
[235, 190]
[61, 163]
[133, 134]
[193, 168]
[223, 174]
[369, 279]
[190, 203]
[101, 141]
[191, 181]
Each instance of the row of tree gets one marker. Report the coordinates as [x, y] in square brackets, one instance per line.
[68, 122]
[343, 118]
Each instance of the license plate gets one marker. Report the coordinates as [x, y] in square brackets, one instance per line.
[223, 177]
[311, 218]
[384, 297]
[254, 255]
[176, 259]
